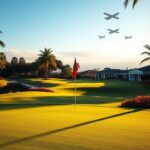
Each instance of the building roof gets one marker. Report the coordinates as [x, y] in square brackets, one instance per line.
[109, 71]
[145, 69]
[87, 71]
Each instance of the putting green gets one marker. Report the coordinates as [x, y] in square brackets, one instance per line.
[69, 127]
[96, 124]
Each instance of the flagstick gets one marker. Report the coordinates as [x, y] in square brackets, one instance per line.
[75, 98]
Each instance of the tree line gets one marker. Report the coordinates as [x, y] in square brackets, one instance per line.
[43, 66]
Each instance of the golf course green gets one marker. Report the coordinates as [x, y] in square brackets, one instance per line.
[36, 120]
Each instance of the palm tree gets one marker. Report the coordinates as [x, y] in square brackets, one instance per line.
[2, 64]
[46, 61]
[2, 56]
[147, 53]
[134, 2]
[3, 61]
[2, 44]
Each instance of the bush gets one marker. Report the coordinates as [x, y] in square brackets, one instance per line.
[139, 101]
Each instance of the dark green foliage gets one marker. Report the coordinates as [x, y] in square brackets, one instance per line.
[147, 53]
[2, 44]
[66, 71]
[3, 61]
[46, 62]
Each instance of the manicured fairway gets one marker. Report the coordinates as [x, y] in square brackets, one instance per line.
[36, 121]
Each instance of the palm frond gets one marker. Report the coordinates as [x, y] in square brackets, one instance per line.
[147, 46]
[126, 3]
[2, 64]
[134, 3]
[146, 59]
[147, 53]
[2, 43]
[1, 32]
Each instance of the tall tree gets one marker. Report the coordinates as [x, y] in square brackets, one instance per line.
[59, 64]
[134, 2]
[22, 60]
[3, 61]
[14, 60]
[66, 71]
[2, 44]
[2, 56]
[147, 53]
[47, 61]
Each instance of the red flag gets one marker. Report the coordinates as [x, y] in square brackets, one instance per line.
[75, 69]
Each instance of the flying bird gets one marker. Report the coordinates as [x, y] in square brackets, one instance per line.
[101, 37]
[109, 16]
[128, 37]
[113, 31]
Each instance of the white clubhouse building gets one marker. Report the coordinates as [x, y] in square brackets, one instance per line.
[131, 75]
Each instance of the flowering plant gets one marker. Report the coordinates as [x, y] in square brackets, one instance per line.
[139, 101]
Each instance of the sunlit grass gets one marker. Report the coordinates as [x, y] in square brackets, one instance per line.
[80, 127]
[62, 88]
[97, 122]
[2, 82]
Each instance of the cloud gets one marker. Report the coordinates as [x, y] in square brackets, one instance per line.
[29, 55]
[88, 59]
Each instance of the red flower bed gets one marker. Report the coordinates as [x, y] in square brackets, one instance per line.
[139, 101]
[40, 89]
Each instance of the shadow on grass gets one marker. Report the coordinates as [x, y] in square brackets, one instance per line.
[19, 103]
[116, 89]
[66, 128]
[113, 91]
[37, 83]
[27, 105]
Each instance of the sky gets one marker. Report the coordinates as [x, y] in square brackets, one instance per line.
[71, 28]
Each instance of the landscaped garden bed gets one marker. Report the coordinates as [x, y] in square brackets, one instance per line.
[14, 86]
[139, 101]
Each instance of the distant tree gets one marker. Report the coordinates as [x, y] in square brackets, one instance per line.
[3, 56]
[66, 71]
[46, 61]
[14, 60]
[2, 44]
[59, 64]
[134, 2]
[147, 53]
[3, 61]
[22, 60]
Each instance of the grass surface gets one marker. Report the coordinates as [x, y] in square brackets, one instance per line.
[2, 82]
[37, 121]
